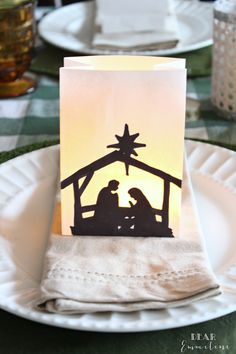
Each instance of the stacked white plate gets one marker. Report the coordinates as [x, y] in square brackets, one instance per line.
[27, 190]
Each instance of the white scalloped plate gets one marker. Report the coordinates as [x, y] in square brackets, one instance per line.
[71, 27]
[27, 187]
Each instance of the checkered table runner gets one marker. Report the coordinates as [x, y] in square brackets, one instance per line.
[34, 117]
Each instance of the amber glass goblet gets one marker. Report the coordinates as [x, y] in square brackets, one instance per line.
[16, 46]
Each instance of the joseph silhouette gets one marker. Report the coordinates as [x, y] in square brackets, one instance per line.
[106, 209]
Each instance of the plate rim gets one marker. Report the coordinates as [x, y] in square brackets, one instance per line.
[141, 325]
[94, 51]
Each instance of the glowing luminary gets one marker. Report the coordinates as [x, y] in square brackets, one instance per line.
[122, 135]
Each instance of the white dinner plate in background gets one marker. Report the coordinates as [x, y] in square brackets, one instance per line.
[71, 28]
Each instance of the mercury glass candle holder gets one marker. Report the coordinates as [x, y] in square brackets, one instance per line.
[224, 63]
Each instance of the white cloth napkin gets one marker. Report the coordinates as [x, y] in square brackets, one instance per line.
[131, 15]
[91, 274]
[128, 24]
[135, 41]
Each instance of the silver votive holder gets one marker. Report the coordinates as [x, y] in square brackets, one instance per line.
[224, 59]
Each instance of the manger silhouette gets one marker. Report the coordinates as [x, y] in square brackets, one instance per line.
[109, 219]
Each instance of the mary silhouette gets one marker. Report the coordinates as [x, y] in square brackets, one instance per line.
[106, 209]
[144, 217]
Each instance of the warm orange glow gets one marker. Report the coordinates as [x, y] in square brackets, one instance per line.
[97, 101]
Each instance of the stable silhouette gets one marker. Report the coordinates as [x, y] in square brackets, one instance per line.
[107, 217]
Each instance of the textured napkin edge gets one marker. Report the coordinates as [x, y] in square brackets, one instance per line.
[139, 291]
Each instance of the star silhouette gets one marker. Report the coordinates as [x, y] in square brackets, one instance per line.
[127, 145]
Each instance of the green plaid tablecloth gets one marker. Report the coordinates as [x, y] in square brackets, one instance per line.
[35, 117]
[30, 118]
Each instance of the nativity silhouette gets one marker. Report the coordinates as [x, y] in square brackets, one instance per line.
[109, 219]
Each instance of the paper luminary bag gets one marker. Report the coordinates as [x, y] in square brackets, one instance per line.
[122, 127]
[122, 137]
